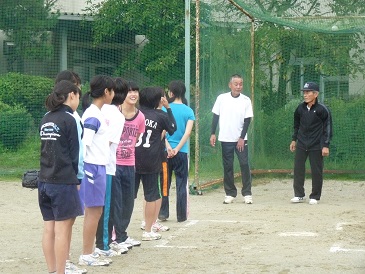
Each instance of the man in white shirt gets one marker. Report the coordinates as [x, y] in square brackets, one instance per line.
[233, 111]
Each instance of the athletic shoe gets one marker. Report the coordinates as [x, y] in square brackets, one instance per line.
[69, 271]
[150, 236]
[126, 245]
[132, 242]
[92, 260]
[298, 200]
[313, 201]
[162, 219]
[228, 200]
[157, 227]
[106, 253]
[248, 199]
[143, 225]
[106, 259]
[120, 248]
[70, 266]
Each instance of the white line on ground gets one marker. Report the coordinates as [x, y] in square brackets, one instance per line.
[172, 246]
[339, 226]
[6, 261]
[337, 248]
[164, 243]
[298, 234]
[12, 260]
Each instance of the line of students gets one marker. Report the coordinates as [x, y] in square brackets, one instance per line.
[117, 145]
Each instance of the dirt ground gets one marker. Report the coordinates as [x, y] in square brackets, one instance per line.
[270, 236]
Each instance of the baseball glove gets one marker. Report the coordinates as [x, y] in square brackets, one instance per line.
[30, 179]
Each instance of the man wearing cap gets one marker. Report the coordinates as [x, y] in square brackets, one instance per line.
[311, 138]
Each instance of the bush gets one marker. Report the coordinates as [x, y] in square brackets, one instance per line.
[347, 145]
[26, 90]
[15, 123]
[273, 135]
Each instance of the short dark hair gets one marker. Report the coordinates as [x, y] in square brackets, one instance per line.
[98, 84]
[132, 86]
[150, 97]
[120, 91]
[177, 87]
[68, 75]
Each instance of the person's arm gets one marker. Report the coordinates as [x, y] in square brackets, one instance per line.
[327, 121]
[293, 143]
[170, 151]
[327, 126]
[74, 145]
[296, 124]
[171, 127]
[215, 121]
[185, 137]
[241, 141]
[246, 123]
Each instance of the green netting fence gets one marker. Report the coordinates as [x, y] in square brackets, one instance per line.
[275, 45]
[278, 46]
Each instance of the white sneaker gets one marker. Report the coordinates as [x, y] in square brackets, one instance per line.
[157, 227]
[248, 199]
[228, 200]
[72, 268]
[69, 271]
[119, 248]
[313, 201]
[298, 200]
[132, 242]
[106, 259]
[92, 260]
[143, 225]
[106, 253]
[150, 236]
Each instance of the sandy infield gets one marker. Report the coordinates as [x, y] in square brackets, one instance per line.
[270, 236]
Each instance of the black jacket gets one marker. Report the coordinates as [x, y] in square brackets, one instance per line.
[148, 148]
[59, 147]
[312, 128]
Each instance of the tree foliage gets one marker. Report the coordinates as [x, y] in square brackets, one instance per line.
[332, 54]
[161, 21]
[27, 24]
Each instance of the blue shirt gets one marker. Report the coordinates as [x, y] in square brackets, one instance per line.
[182, 114]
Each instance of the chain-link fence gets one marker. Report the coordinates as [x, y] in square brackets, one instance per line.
[275, 45]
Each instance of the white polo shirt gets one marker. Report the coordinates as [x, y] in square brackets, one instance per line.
[232, 113]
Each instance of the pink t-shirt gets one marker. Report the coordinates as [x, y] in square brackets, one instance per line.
[126, 148]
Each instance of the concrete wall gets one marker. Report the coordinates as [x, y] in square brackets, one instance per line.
[72, 6]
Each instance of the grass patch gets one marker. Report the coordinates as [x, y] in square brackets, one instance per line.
[15, 163]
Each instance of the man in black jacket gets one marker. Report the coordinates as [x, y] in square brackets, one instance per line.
[312, 135]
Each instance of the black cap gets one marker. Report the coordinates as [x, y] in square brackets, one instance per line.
[310, 86]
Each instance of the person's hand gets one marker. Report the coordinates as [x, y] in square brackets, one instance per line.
[325, 151]
[170, 152]
[164, 102]
[212, 140]
[175, 151]
[293, 145]
[240, 144]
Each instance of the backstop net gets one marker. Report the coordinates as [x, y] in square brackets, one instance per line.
[276, 46]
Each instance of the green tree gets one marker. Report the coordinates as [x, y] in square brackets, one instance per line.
[162, 23]
[299, 30]
[27, 24]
